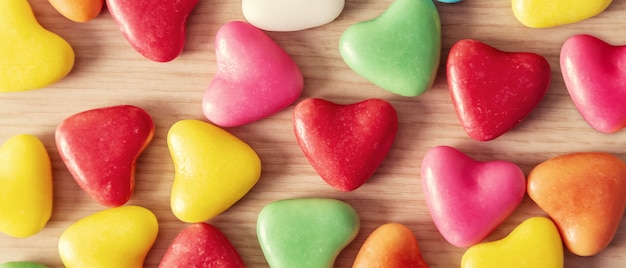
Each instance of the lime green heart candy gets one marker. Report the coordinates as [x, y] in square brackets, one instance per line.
[114, 237]
[399, 50]
[213, 170]
[305, 232]
[31, 57]
[21, 264]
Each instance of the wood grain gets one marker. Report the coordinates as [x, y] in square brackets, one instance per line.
[109, 72]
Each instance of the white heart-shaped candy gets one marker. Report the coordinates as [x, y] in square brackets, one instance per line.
[290, 15]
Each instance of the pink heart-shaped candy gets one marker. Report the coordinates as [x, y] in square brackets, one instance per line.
[467, 198]
[255, 77]
[594, 75]
[155, 28]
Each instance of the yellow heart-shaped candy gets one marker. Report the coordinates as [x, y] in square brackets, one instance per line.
[534, 243]
[25, 186]
[114, 237]
[213, 169]
[545, 14]
[31, 57]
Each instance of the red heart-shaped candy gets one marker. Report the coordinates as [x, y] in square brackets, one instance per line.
[155, 28]
[100, 148]
[201, 245]
[493, 90]
[345, 144]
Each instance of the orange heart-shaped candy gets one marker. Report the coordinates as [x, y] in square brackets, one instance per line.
[390, 245]
[585, 194]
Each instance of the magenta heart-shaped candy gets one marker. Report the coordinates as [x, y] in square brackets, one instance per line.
[255, 77]
[468, 199]
[594, 73]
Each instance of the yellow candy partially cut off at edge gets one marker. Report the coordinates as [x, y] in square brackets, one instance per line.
[115, 237]
[213, 170]
[31, 57]
[25, 186]
[551, 13]
[536, 243]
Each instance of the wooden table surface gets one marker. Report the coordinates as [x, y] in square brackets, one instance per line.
[109, 72]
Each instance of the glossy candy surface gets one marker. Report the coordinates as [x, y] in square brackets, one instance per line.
[154, 28]
[345, 144]
[31, 57]
[493, 90]
[399, 50]
[201, 245]
[585, 195]
[533, 243]
[78, 10]
[594, 75]
[255, 77]
[305, 232]
[390, 245]
[468, 199]
[290, 15]
[100, 148]
[114, 237]
[545, 14]
[213, 170]
[25, 186]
